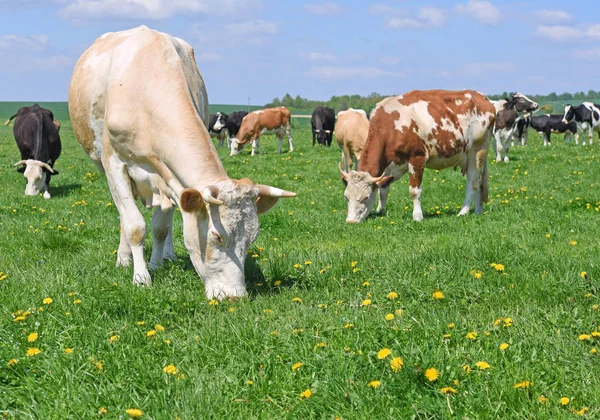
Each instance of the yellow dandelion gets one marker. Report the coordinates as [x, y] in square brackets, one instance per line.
[524, 384]
[398, 312]
[113, 338]
[77, 302]
[306, 394]
[171, 370]
[348, 326]
[374, 384]
[466, 368]
[297, 266]
[268, 311]
[389, 317]
[564, 401]
[451, 325]
[167, 342]
[12, 362]
[392, 295]
[499, 267]
[307, 262]
[508, 322]
[582, 411]
[448, 390]
[159, 328]
[249, 382]
[583, 337]
[213, 302]
[366, 284]
[19, 318]
[151, 333]
[594, 350]
[437, 295]
[503, 346]
[102, 411]
[68, 350]
[140, 323]
[583, 275]
[32, 337]
[33, 351]
[366, 302]
[547, 235]
[297, 299]
[383, 353]
[277, 283]
[542, 399]
[396, 364]
[482, 365]
[595, 307]
[572, 243]
[432, 374]
[478, 275]
[296, 366]
[47, 301]
[353, 263]
[134, 412]
[471, 336]
[355, 270]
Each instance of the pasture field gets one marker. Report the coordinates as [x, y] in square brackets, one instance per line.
[504, 306]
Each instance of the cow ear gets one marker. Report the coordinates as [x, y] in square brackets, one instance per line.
[264, 204]
[386, 181]
[21, 169]
[55, 172]
[191, 200]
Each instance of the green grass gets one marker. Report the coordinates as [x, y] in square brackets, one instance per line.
[63, 249]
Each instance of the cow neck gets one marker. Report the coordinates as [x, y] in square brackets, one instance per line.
[373, 158]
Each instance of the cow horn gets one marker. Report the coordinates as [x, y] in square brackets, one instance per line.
[46, 166]
[268, 191]
[209, 195]
[375, 180]
[344, 174]
[21, 162]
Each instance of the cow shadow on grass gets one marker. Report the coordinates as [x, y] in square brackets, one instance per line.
[63, 190]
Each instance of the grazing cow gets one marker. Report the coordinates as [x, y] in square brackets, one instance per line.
[586, 116]
[322, 123]
[36, 134]
[265, 121]
[351, 133]
[434, 129]
[522, 130]
[512, 109]
[217, 127]
[548, 124]
[234, 121]
[139, 109]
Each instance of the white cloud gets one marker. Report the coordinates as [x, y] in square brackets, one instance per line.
[255, 27]
[324, 9]
[482, 11]
[558, 32]
[591, 54]
[383, 9]
[30, 43]
[552, 16]
[318, 57]
[390, 60]
[476, 69]
[428, 17]
[328, 72]
[149, 9]
[594, 31]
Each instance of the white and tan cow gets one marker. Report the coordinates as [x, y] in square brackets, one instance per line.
[263, 121]
[434, 129]
[139, 109]
[351, 134]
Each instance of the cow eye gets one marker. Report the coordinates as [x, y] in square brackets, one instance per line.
[216, 236]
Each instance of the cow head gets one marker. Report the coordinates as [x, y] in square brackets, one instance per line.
[35, 172]
[322, 136]
[220, 123]
[236, 146]
[569, 114]
[520, 103]
[220, 224]
[360, 193]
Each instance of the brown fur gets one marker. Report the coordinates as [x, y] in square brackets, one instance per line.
[256, 121]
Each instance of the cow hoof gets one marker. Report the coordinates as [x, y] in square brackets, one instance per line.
[498, 159]
[418, 217]
[46, 195]
[153, 265]
[170, 256]
[464, 211]
[123, 260]
[505, 159]
[142, 279]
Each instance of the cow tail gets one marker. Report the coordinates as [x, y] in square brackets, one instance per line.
[10, 119]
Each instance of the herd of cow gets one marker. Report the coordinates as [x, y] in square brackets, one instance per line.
[139, 109]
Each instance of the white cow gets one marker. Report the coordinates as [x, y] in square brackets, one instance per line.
[139, 109]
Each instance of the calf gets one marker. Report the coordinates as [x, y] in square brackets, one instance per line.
[36, 134]
[265, 121]
[548, 124]
[217, 128]
[514, 108]
[586, 116]
[323, 124]
[351, 133]
[422, 129]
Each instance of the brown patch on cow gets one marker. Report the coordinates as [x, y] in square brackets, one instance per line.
[136, 235]
[256, 121]
[191, 200]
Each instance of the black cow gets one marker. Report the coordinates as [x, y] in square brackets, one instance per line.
[234, 121]
[217, 127]
[547, 124]
[586, 116]
[512, 108]
[323, 124]
[36, 134]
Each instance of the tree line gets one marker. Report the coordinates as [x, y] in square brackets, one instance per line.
[341, 103]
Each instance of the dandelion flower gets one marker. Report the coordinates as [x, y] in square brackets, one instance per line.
[503, 346]
[572, 243]
[32, 337]
[582, 411]
[542, 399]
[392, 295]
[249, 382]
[374, 384]
[277, 283]
[451, 325]
[12, 362]
[478, 275]
[353, 263]
[113, 338]
[213, 302]
[366, 302]
[389, 317]
[564, 401]
[140, 323]
[151, 333]
[524, 384]
[348, 326]
[33, 351]
[398, 312]
[171, 370]
[297, 299]
[396, 364]
[448, 390]
[76, 301]
[307, 262]
[499, 267]
[296, 366]
[134, 412]
[159, 328]
[583, 275]
[306, 394]
[47, 301]
[432, 374]
[437, 295]
[471, 336]
[383, 353]
[68, 350]
[482, 365]
[583, 337]
[102, 411]
[19, 318]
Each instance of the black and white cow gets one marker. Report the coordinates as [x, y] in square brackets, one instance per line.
[586, 116]
[522, 130]
[323, 124]
[36, 134]
[233, 124]
[547, 124]
[217, 127]
[512, 108]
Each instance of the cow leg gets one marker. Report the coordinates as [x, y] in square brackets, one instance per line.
[473, 182]
[506, 146]
[314, 137]
[288, 131]
[525, 137]
[280, 138]
[133, 226]
[124, 251]
[161, 227]
[385, 191]
[416, 166]
[481, 195]
[256, 145]
[47, 186]
[591, 134]
[498, 144]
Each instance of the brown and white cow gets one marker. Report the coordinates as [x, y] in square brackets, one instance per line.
[434, 129]
[139, 109]
[264, 121]
[351, 134]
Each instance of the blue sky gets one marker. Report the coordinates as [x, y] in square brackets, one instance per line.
[262, 49]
